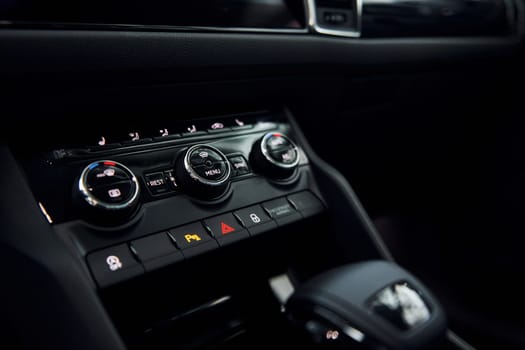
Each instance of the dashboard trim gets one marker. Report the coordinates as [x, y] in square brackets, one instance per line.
[92, 51]
[314, 26]
[145, 28]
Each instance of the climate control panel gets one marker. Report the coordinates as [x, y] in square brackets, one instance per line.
[201, 171]
[141, 206]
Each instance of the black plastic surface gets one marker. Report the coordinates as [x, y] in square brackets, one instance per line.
[97, 51]
[156, 251]
[306, 202]
[48, 297]
[399, 18]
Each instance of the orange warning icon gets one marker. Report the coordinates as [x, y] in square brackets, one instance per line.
[225, 228]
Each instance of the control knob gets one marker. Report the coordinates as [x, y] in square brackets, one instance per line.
[109, 192]
[203, 172]
[275, 155]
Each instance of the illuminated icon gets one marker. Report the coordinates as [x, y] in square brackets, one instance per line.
[240, 165]
[109, 172]
[332, 335]
[203, 154]
[213, 172]
[114, 263]
[192, 237]
[276, 141]
[164, 132]
[255, 218]
[286, 156]
[102, 141]
[155, 182]
[225, 228]
[217, 126]
[192, 129]
[114, 193]
[134, 136]
[239, 122]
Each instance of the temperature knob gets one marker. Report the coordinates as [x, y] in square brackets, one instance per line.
[110, 191]
[275, 155]
[203, 171]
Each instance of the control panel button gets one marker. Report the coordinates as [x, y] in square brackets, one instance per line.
[137, 142]
[193, 133]
[255, 219]
[239, 165]
[242, 127]
[156, 183]
[170, 179]
[226, 229]
[167, 137]
[306, 203]
[190, 235]
[105, 147]
[281, 211]
[217, 127]
[156, 251]
[113, 265]
[223, 225]
[219, 130]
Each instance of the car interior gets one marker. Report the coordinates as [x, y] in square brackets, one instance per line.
[223, 174]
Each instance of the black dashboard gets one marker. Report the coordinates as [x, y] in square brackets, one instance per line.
[166, 174]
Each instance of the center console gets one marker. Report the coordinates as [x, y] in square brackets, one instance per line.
[195, 232]
[182, 225]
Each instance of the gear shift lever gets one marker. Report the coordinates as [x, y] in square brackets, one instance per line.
[371, 305]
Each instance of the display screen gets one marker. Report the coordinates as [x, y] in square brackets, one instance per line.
[285, 14]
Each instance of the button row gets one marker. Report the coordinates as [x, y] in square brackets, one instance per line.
[163, 182]
[191, 131]
[124, 261]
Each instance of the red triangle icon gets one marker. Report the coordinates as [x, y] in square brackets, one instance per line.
[225, 228]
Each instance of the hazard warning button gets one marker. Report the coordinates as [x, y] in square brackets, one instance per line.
[225, 229]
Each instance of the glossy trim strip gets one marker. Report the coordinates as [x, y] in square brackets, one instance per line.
[44, 211]
[140, 27]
